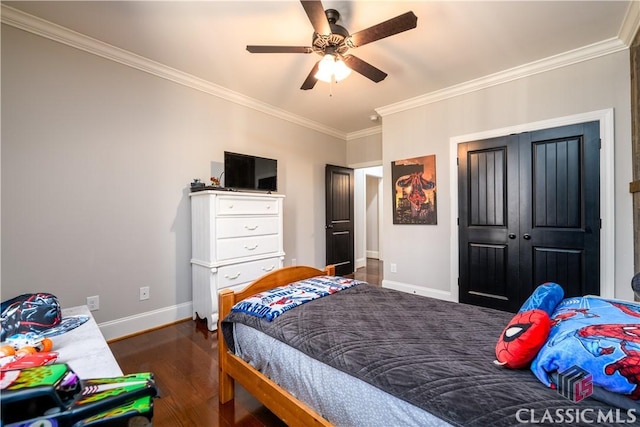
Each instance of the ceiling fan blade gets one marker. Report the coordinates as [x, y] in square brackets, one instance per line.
[404, 22]
[364, 68]
[315, 12]
[279, 49]
[311, 81]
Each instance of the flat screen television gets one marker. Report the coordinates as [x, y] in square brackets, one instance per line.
[245, 172]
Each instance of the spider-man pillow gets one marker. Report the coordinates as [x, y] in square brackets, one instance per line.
[527, 332]
[522, 338]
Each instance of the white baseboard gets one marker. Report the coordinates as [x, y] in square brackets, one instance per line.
[420, 290]
[373, 254]
[149, 320]
[361, 262]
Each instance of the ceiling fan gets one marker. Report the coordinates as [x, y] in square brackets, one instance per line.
[332, 41]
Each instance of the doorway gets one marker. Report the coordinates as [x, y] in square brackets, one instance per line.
[529, 212]
[368, 215]
[372, 214]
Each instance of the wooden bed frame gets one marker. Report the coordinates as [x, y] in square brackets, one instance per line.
[232, 368]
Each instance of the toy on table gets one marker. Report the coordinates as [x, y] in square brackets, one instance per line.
[30, 341]
[28, 361]
[54, 395]
[34, 348]
[33, 312]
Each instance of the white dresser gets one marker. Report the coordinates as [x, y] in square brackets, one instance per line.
[235, 238]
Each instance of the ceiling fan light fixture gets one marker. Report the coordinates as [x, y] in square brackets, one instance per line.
[332, 66]
[341, 71]
[326, 68]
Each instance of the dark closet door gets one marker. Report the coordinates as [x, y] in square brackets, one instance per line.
[529, 213]
[560, 209]
[339, 226]
[488, 216]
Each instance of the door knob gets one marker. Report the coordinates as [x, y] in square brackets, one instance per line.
[512, 235]
[526, 236]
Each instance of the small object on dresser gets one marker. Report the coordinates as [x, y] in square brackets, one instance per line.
[197, 184]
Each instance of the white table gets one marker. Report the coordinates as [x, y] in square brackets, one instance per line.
[84, 348]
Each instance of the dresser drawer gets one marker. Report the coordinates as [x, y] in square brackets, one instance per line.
[239, 247]
[234, 205]
[245, 273]
[247, 226]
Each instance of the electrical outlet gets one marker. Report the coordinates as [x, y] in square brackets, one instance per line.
[144, 293]
[93, 303]
[294, 261]
[394, 268]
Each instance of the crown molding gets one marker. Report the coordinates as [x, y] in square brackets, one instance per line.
[60, 34]
[51, 31]
[585, 53]
[630, 24]
[364, 132]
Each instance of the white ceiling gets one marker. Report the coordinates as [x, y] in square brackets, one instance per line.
[454, 42]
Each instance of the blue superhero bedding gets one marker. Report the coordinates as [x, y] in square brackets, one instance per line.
[599, 336]
[273, 302]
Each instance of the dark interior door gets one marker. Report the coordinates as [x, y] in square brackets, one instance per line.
[339, 219]
[529, 212]
[488, 206]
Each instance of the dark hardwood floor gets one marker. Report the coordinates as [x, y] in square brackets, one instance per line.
[372, 273]
[184, 359]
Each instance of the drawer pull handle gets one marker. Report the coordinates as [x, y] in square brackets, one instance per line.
[232, 277]
[251, 248]
[268, 206]
[255, 227]
[230, 206]
[268, 269]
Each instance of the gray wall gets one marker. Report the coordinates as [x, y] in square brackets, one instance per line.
[422, 253]
[96, 162]
[366, 150]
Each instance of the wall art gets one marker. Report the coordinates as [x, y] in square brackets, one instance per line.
[414, 191]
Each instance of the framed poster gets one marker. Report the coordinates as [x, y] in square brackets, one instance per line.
[414, 190]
